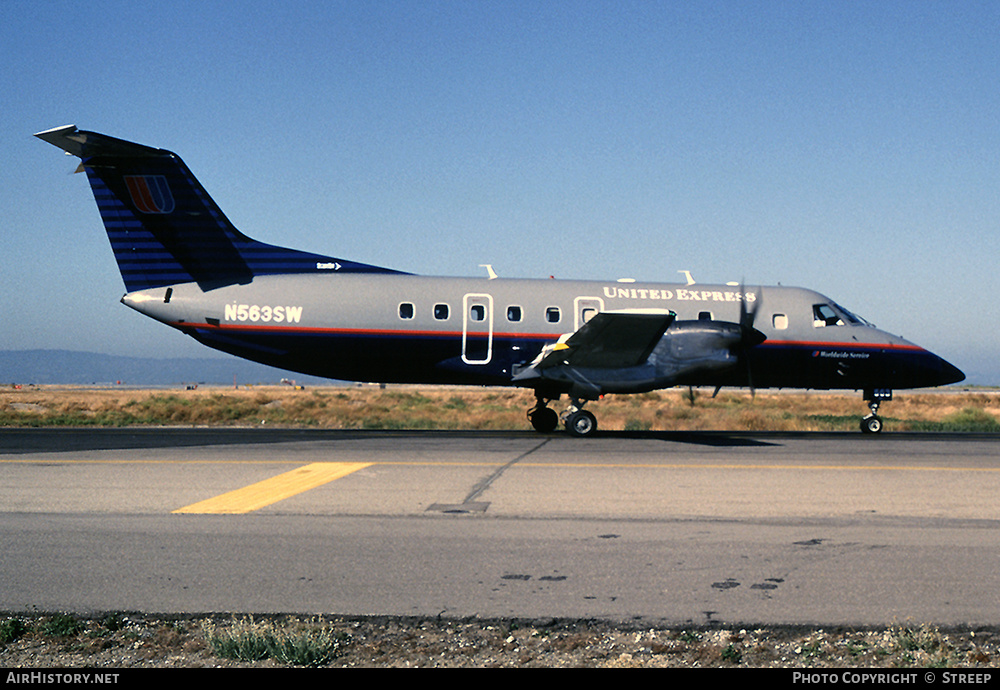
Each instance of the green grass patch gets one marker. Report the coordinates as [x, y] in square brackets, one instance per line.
[296, 644]
[969, 419]
[61, 625]
[834, 422]
[12, 629]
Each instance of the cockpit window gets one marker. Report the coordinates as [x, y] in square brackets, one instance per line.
[835, 315]
[825, 315]
[851, 318]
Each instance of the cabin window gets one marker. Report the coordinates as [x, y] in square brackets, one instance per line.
[780, 321]
[553, 315]
[825, 315]
[441, 312]
[513, 313]
[477, 312]
[588, 313]
[406, 310]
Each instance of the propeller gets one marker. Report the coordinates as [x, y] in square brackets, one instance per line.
[749, 336]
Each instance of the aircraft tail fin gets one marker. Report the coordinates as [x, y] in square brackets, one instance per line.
[165, 228]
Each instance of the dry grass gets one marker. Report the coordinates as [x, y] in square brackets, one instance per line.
[136, 641]
[424, 407]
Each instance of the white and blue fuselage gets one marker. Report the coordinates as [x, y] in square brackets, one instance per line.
[184, 264]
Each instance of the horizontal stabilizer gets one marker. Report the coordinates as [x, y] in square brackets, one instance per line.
[87, 144]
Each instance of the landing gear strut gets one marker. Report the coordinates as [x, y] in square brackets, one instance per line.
[872, 424]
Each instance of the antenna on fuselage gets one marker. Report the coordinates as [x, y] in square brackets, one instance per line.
[687, 274]
[489, 271]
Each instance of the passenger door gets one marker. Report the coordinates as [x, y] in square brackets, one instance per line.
[477, 328]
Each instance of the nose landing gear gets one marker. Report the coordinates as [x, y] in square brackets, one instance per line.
[872, 424]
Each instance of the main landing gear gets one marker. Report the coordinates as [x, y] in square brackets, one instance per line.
[872, 424]
[578, 422]
[542, 417]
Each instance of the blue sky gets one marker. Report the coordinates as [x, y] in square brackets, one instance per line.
[850, 147]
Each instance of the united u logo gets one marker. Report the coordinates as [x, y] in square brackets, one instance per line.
[150, 193]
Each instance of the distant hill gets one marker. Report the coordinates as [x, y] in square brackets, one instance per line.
[85, 368]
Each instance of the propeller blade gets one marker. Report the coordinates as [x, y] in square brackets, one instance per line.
[749, 336]
[748, 316]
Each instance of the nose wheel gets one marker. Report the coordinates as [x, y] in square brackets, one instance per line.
[872, 424]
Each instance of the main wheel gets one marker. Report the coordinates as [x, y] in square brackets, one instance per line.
[581, 423]
[543, 419]
[872, 424]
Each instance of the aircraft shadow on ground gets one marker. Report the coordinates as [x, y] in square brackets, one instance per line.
[720, 439]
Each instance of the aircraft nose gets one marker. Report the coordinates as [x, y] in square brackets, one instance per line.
[931, 370]
[949, 373]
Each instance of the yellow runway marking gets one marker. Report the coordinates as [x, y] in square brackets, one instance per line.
[275, 489]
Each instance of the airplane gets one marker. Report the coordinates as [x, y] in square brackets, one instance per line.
[184, 264]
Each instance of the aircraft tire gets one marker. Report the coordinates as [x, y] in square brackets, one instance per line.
[543, 419]
[581, 423]
[872, 424]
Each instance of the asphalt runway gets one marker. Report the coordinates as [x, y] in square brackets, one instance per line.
[683, 528]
